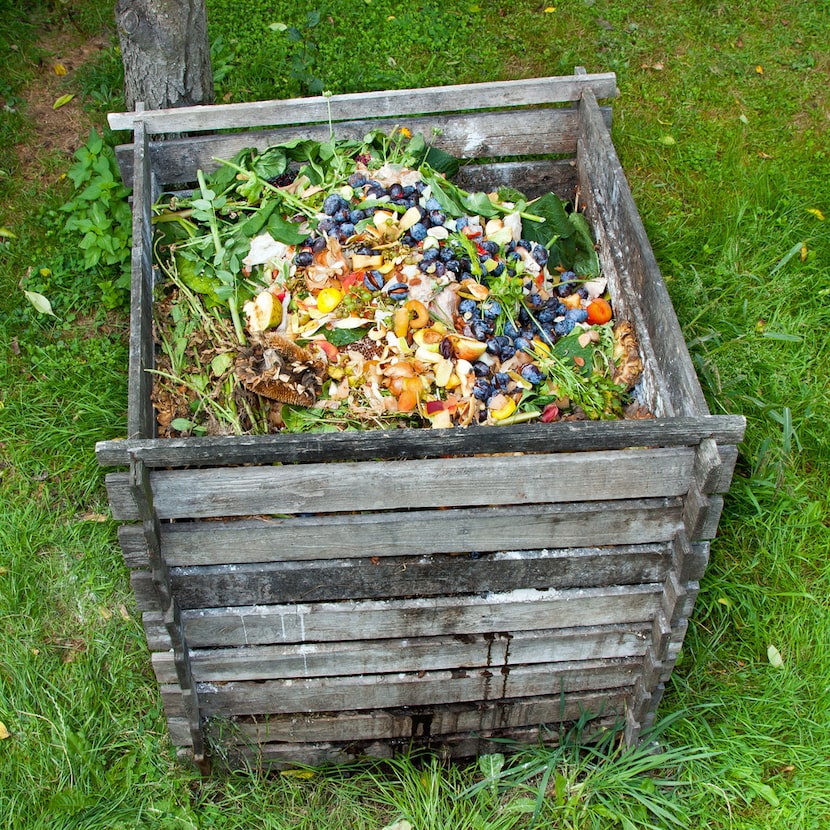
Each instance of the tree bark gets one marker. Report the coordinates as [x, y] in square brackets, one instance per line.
[166, 52]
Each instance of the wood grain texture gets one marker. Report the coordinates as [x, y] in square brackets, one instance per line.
[419, 532]
[427, 689]
[517, 610]
[383, 104]
[319, 580]
[412, 484]
[140, 415]
[410, 654]
[635, 258]
[568, 436]
[523, 133]
[296, 731]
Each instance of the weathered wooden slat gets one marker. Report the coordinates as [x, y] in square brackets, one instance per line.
[494, 134]
[412, 654]
[385, 577]
[383, 104]
[146, 596]
[391, 485]
[429, 688]
[140, 415]
[419, 532]
[418, 722]
[635, 258]
[708, 471]
[729, 458]
[521, 609]
[460, 747]
[533, 178]
[569, 436]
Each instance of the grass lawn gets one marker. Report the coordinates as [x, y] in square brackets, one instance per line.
[722, 127]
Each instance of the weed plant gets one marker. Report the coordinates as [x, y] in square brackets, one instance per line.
[721, 127]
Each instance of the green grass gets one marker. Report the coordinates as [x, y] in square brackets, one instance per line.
[726, 163]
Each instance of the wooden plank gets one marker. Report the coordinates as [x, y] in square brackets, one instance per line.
[708, 466]
[134, 547]
[158, 638]
[420, 532]
[565, 436]
[636, 260]
[537, 132]
[140, 416]
[533, 178]
[410, 654]
[522, 609]
[654, 392]
[729, 458]
[427, 575]
[413, 722]
[430, 688]
[146, 596]
[701, 514]
[391, 485]
[383, 104]
[462, 747]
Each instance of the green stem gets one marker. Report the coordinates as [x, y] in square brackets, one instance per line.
[237, 323]
[297, 204]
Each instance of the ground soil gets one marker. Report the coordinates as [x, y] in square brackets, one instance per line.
[66, 128]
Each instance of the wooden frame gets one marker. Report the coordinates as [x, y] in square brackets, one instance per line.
[312, 598]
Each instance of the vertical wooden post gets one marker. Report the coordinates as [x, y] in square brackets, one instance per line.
[141, 490]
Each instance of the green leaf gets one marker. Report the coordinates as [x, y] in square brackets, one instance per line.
[572, 354]
[556, 223]
[342, 337]
[221, 363]
[62, 101]
[585, 261]
[41, 303]
[272, 163]
[284, 231]
[479, 204]
[491, 765]
[441, 161]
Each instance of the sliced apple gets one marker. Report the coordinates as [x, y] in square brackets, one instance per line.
[263, 312]
[468, 348]
[443, 373]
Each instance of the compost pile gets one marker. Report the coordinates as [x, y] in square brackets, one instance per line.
[350, 284]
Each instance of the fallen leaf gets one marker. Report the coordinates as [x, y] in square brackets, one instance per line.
[763, 155]
[62, 101]
[93, 517]
[5, 233]
[41, 303]
[817, 213]
[774, 657]
[4, 733]
[803, 253]
[302, 774]
[668, 140]
[550, 9]
[122, 610]
[403, 824]
[743, 119]
[60, 69]
[759, 69]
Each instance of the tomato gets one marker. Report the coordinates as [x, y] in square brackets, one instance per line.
[599, 311]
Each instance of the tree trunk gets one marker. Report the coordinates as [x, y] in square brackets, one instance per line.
[166, 52]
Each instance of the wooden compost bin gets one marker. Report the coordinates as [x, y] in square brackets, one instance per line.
[311, 598]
